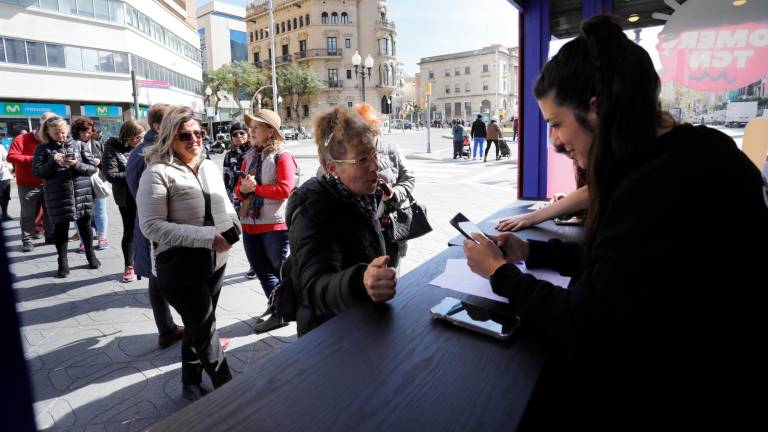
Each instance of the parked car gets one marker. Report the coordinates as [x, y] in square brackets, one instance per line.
[402, 124]
[289, 133]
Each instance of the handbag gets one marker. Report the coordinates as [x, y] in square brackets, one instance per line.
[101, 189]
[408, 223]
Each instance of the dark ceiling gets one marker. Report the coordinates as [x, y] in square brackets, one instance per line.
[566, 14]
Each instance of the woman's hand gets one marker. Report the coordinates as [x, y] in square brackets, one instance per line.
[248, 184]
[513, 247]
[379, 280]
[515, 223]
[386, 189]
[69, 163]
[483, 255]
[220, 244]
[58, 158]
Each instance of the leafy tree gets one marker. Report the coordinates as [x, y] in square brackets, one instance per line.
[212, 80]
[239, 79]
[295, 84]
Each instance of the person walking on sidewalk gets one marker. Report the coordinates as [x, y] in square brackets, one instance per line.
[263, 193]
[66, 168]
[5, 184]
[30, 187]
[84, 131]
[116, 154]
[168, 331]
[493, 135]
[478, 133]
[184, 210]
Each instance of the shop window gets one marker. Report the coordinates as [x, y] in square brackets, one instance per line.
[15, 51]
[36, 53]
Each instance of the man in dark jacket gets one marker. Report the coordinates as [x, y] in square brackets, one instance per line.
[478, 136]
[142, 261]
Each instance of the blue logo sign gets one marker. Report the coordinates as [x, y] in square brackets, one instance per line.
[101, 110]
[32, 109]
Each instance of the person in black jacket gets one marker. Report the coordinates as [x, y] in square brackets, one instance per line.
[664, 313]
[116, 154]
[478, 134]
[339, 257]
[66, 169]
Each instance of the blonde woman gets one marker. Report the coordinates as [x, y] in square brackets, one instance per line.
[66, 169]
[270, 175]
[185, 212]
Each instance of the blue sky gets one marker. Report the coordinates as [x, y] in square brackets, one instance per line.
[433, 27]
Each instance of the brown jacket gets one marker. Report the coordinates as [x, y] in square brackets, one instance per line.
[494, 132]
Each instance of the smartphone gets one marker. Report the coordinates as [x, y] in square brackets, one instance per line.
[475, 318]
[465, 226]
[69, 156]
[569, 220]
[231, 235]
[241, 174]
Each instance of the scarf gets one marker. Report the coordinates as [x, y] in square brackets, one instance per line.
[365, 203]
[254, 169]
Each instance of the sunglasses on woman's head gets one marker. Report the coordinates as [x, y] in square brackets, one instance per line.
[187, 135]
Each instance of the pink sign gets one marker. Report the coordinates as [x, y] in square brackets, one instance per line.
[153, 84]
[715, 59]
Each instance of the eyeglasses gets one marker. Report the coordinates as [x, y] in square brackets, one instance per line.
[187, 135]
[238, 133]
[373, 156]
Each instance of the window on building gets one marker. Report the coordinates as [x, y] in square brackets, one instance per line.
[306, 19]
[289, 25]
[305, 108]
[54, 54]
[331, 44]
[485, 85]
[447, 89]
[466, 70]
[91, 60]
[334, 18]
[277, 29]
[116, 11]
[295, 21]
[303, 46]
[333, 77]
[101, 9]
[238, 48]
[457, 109]
[15, 51]
[47, 4]
[2, 51]
[347, 43]
[73, 57]
[85, 8]
[106, 63]
[448, 110]
[261, 34]
[467, 108]
[457, 88]
[456, 72]
[467, 87]
[349, 73]
[301, 21]
[282, 27]
[447, 72]
[344, 18]
[349, 104]
[288, 112]
[256, 58]
[324, 18]
[36, 53]
[284, 49]
[269, 54]
[485, 68]
[121, 63]
[251, 36]
[431, 75]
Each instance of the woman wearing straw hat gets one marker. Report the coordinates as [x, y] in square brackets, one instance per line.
[263, 192]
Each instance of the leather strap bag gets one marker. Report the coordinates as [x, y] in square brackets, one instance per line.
[408, 223]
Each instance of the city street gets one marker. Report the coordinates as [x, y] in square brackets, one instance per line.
[91, 342]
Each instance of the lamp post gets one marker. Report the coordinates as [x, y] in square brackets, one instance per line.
[274, 53]
[208, 93]
[389, 105]
[257, 96]
[361, 71]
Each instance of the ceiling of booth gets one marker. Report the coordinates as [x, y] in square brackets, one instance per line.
[565, 15]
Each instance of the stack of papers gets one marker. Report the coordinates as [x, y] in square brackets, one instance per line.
[458, 277]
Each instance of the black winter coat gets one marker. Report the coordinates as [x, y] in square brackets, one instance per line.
[113, 165]
[478, 129]
[332, 243]
[68, 191]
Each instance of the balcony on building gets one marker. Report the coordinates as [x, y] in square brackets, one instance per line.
[283, 59]
[335, 84]
[314, 53]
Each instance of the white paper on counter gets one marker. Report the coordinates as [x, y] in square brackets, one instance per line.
[458, 277]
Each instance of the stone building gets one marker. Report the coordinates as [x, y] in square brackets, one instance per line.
[323, 35]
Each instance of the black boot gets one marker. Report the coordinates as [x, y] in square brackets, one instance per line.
[91, 257]
[63, 270]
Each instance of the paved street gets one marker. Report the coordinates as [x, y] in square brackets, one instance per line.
[91, 342]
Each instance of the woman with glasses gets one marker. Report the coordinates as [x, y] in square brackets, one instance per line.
[233, 160]
[84, 131]
[66, 169]
[184, 211]
[269, 177]
[116, 154]
[339, 254]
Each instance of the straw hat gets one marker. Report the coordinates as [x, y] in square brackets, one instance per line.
[265, 116]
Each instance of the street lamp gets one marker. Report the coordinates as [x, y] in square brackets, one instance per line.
[209, 112]
[389, 105]
[360, 71]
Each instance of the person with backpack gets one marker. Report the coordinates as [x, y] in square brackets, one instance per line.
[269, 176]
[339, 257]
[458, 139]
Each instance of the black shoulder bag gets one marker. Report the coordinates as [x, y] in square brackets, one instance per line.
[408, 222]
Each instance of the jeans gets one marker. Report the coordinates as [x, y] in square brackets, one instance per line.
[478, 143]
[31, 200]
[100, 217]
[128, 214]
[266, 253]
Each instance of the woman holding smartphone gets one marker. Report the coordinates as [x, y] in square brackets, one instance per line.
[184, 210]
[269, 177]
[66, 169]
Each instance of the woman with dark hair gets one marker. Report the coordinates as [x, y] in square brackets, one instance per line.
[116, 154]
[84, 132]
[659, 323]
[66, 169]
[233, 160]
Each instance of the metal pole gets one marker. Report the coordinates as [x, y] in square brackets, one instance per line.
[429, 120]
[274, 56]
[135, 95]
[363, 75]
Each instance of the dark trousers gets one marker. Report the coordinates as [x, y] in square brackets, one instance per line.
[200, 349]
[495, 146]
[128, 214]
[161, 310]
[31, 201]
[61, 235]
[266, 253]
[458, 146]
[5, 195]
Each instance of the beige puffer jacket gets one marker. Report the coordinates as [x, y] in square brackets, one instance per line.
[171, 207]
